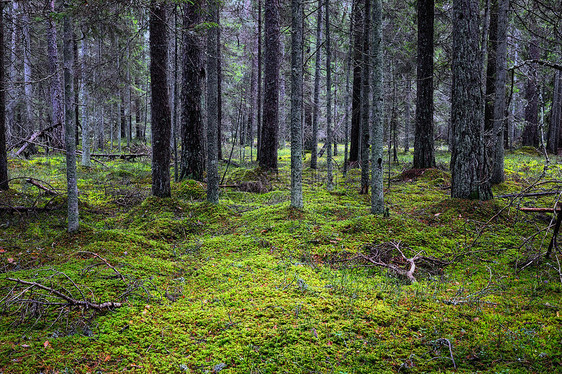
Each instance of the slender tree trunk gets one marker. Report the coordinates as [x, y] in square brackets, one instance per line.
[193, 139]
[555, 130]
[160, 108]
[219, 89]
[497, 175]
[296, 102]
[28, 88]
[316, 99]
[330, 137]
[260, 82]
[424, 154]
[70, 128]
[407, 114]
[347, 97]
[491, 68]
[468, 167]
[57, 113]
[13, 94]
[212, 106]
[365, 100]
[357, 15]
[270, 130]
[85, 107]
[3, 153]
[377, 194]
[530, 135]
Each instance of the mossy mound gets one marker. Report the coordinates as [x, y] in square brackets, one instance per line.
[433, 176]
[153, 208]
[189, 190]
[471, 209]
[528, 150]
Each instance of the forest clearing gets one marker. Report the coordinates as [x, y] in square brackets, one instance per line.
[254, 286]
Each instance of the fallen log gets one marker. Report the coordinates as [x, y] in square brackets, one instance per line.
[540, 210]
[36, 135]
[36, 183]
[113, 156]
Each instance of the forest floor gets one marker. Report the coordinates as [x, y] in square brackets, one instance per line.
[253, 286]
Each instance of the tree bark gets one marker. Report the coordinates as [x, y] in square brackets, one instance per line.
[330, 133]
[69, 126]
[296, 102]
[365, 99]
[377, 194]
[554, 130]
[192, 133]
[28, 88]
[468, 167]
[57, 113]
[316, 99]
[85, 101]
[499, 123]
[270, 129]
[355, 138]
[530, 136]
[3, 153]
[212, 104]
[160, 104]
[424, 153]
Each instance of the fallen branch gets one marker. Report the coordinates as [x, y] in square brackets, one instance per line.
[113, 156]
[121, 276]
[533, 194]
[36, 135]
[24, 209]
[540, 210]
[70, 301]
[36, 183]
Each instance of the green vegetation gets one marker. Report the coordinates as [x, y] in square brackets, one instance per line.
[253, 286]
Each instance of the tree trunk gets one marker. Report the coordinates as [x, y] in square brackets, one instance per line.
[69, 127]
[260, 82]
[499, 119]
[192, 133]
[270, 130]
[468, 167]
[330, 133]
[377, 194]
[219, 89]
[3, 154]
[553, 142]
[85, 100]
[407, 114]
[160, 105]
[316, 99]
[424, 156]
[530, 135]
[491, 68]
[212, 105]
[357, 84]
[28, 88]
[57, 113]
[296, 102]
[365, 98]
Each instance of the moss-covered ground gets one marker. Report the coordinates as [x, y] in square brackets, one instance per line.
[253, 286]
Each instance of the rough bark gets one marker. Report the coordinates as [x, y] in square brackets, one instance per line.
[377, 194]
[554, 130]
[3, 154]
[530, 136]
[491, 68]
[212, 103]
[330, 134]
[355, 138]
[219, 89]
[407, 114]
[424, 153]
[57, 113]
[469, 177]
[365, 100]
[296, 102]
[192, 130]
[160, 105]
[316, 99]
[69, 126]
[270, 129]
[499, 118]
[28, 88]
[85, 99]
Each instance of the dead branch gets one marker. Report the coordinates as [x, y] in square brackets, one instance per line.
[121, 276]
[36, 183]
[24, 209]
[36, 135]
[113, 156]
[533, 194]
[540, 210]
[69, 300]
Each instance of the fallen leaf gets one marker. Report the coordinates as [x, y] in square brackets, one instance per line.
[11, 260]
[46, 344]
[106, 358]
[2, 250]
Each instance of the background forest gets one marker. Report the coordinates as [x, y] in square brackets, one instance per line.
[280, 186]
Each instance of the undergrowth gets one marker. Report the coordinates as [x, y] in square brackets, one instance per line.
[254, 286]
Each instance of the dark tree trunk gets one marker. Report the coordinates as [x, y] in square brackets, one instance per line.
[329, 130]
[296, 102]
[555, 128]
[499, 117]
[424, 156]
[491, 68]
[468, 167]
[355, 141]
[316, 99]
[3, 153]
[365, 98]
[260, 82]
[192, 130]
[160, 105]
[212, 105]
[57, 116]
[270, 131]
[219, 89]
[530, 135]
[69, 127]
